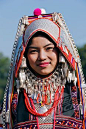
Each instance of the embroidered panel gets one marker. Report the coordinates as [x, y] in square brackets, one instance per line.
[75, 101]
[67, 123]
[26, 125]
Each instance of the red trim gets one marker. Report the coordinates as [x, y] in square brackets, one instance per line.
[73, 62]
[68, 57]
[47, 16]
[19, 63]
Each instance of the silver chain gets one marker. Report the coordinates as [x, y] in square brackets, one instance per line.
[9, 75]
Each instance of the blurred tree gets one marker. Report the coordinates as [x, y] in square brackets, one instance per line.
[4, 67]
[82, 52]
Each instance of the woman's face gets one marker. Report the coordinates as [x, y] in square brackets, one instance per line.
[42, 55]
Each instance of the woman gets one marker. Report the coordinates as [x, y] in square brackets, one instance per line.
[44, 91]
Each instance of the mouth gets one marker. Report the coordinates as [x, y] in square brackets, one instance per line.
[45, 64]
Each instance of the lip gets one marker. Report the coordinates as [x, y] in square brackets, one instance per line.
[45, 64]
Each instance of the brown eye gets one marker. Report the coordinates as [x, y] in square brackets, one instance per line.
[49, 48]
[33, 51]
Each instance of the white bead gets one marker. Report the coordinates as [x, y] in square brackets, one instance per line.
[43, 11]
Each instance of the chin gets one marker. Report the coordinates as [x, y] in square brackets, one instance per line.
[45, 73]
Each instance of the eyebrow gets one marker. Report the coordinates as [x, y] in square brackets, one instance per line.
[37, 47]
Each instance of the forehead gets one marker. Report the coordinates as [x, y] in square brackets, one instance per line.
[40, 42]
[41, 39]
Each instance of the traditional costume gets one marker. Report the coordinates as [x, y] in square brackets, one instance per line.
[55, 102]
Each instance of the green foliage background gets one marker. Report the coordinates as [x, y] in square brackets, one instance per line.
[5, 63]
[4, 68]
[82, 52]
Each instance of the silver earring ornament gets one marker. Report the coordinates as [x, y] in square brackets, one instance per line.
[61, 58]
[22, 78]
[23, 64]
[69, 77]
[22, 75]
[74, 78]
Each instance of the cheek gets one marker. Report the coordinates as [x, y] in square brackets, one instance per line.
[54, 57]
[32, 59]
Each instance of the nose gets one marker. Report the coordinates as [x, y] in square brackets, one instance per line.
[42, 55]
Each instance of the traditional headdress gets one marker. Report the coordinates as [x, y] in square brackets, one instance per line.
[54, 26]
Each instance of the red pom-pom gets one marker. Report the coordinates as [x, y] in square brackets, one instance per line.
[37, 12]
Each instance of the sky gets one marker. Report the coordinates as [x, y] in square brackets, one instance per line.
[73, 11]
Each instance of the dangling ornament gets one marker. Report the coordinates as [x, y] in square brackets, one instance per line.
[61, 58]
[23, 64]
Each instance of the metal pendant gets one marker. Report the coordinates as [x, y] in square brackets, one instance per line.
[42, 109]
